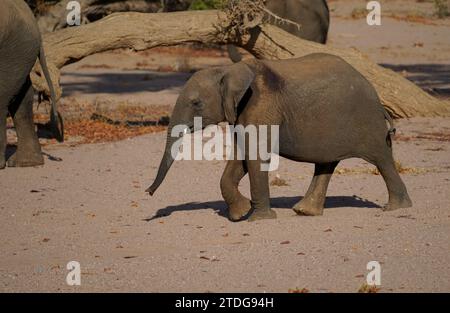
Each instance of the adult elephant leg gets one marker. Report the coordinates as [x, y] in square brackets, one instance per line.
[238, 205]
[28, 148]
[314, 200]
[259, 187]
[398, 195]
[3, 113]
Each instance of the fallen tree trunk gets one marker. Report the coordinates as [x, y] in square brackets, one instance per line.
[141, 31]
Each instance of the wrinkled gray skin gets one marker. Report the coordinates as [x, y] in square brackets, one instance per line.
[312, 15]
[20, 46]
[326, 111]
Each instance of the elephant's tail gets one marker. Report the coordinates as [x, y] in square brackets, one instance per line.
[391, 130]
[56, 122]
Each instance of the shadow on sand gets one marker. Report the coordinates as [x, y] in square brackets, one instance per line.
[220, 207]
[433, 78]
[119, 83]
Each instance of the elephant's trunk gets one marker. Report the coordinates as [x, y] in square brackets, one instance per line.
[165, 164]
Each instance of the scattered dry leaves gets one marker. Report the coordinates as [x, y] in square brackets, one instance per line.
[96, 131]
[365, 288]
[278, 181]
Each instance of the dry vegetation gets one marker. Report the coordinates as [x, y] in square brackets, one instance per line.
[365, 288]
[374, 171]
[278, 181]
[98, 131]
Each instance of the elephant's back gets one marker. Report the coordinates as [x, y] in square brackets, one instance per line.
[315, 72]
[326, 80]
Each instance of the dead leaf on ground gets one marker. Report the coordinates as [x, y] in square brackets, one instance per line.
[365, 288]
[297, 290]
[407, 216]
[277, 181]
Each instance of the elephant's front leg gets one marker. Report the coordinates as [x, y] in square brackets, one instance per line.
[259, 187]
[28, 148]
[238, 205]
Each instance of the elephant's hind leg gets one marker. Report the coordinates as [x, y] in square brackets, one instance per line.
[28, 148]
[238, 205]
[398, 195]
[314, 199]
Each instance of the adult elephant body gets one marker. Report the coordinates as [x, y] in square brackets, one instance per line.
[20, 46]
[326, 112]
[312, 15]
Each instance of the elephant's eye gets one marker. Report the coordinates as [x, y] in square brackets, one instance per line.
[196, 103]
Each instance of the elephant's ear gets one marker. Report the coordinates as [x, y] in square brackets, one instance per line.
[234, 85]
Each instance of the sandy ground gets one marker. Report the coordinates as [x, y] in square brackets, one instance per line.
[91, 206]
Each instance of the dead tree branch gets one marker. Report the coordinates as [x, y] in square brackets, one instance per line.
[140, 31]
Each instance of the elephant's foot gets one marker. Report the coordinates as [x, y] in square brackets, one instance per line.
[18, 160]
[308, 208]
[238, 209]
[398, 202]
[262, 215]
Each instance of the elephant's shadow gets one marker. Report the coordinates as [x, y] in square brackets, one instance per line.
[220, 207]
[11, 150]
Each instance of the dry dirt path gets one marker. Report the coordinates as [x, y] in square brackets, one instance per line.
[91, 208]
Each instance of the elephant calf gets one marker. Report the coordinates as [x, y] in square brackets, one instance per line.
[20, 46]
[326, 112]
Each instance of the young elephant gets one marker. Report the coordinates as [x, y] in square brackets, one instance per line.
[20, 46]
[326, 112]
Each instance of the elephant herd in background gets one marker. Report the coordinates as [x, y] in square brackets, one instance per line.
[311, 98]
